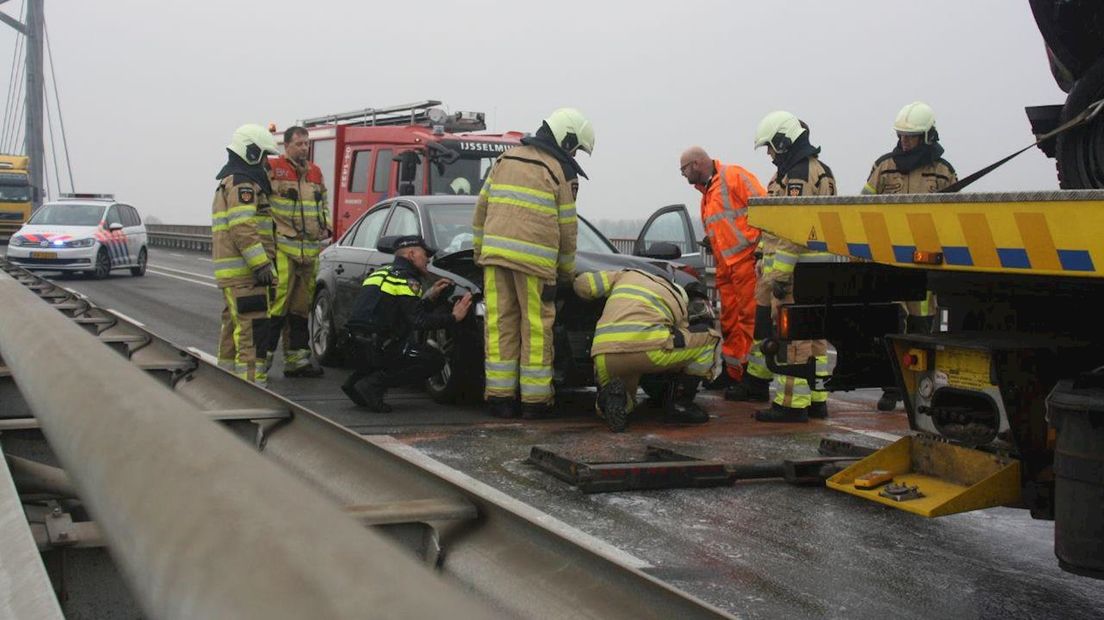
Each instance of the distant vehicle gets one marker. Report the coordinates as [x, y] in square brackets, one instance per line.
[15, 194]
[445, 222]
[369, 155]
[91, 233]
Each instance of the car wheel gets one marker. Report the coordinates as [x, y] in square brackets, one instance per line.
[103, 265]
[140, 270]
[461, 378]
[1080, 151]
[323, 333]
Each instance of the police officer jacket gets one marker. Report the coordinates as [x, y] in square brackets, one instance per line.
[241, 224]
[643, 312]
[390, 305]
[807, 177]
[299, 207]
[525, 216]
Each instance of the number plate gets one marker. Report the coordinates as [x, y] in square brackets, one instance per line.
[43, 254]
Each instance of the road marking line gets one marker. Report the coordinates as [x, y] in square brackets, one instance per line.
[187, 273]
[206, 260]
[126, 318]
[203, 355]
[169, 275]
[579, 537]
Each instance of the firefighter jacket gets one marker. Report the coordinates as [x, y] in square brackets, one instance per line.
[390, 305]
[525, 216]
[241, 230]
[808, 177]
[643, 312]
[922, 170]
[300, 211]
[724, 212]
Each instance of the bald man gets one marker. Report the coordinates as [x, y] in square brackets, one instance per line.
[725, 190]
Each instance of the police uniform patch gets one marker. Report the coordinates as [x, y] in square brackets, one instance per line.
[794, 189]
[246, 195]
[416, 286]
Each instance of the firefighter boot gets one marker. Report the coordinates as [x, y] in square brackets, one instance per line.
[298, 364]
[683, 409]
[778, 413]
[818, 410]
[613, 402]
[749, 388]
[536, 411]
[890, 398]
[502, 407]
[372, 392]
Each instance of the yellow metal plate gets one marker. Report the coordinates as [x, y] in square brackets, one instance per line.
[965, 368]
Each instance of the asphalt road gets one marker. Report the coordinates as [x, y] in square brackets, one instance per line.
[756, 549]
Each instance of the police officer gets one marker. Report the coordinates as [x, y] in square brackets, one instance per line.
[799, 172]
[301, 217]
[915, 166]
[524, 238]
[241, 229]
[645, 329]
[389, 309]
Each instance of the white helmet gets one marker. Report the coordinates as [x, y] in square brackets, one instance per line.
[779, 129]
[571, 129]
[915, 118]
[460, 185]
[251, 143]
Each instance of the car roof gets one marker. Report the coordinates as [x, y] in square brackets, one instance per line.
[80, 203]
[446, 199]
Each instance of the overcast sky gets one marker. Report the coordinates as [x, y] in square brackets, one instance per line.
[152, 90]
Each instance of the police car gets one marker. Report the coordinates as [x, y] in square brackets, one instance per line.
[92, 233]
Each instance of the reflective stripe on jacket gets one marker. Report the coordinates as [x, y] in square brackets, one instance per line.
[724, 212]
[300, 211]
[807, 178]
[642, 310]
[241, 231]
[525, 216]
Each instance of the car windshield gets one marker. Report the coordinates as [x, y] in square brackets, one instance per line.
[68, 215]
[452, 231]
[15, 193]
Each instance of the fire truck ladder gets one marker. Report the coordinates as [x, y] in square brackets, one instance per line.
[427, 113]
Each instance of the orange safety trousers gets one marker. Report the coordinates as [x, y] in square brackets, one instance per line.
[736, 288]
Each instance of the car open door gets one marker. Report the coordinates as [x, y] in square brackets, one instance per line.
[670, 226]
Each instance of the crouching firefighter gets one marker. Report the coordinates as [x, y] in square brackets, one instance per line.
[645, 329]
[389, 309]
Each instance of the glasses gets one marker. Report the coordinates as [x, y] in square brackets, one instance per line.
[683, 167]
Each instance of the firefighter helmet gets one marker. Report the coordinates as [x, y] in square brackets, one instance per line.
[460, 185]
[915, 118]
[779, 129]
[251, 143]
[571, 130]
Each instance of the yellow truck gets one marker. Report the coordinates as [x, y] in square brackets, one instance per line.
[1006, 394]
[15, 194]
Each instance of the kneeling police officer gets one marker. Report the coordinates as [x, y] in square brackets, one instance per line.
[387, 312]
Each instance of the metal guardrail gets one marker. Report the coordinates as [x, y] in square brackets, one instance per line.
[179, 236]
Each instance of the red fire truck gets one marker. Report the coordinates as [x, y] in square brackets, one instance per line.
[375, 153]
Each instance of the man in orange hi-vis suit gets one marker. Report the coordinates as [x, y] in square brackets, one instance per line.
[725, 190]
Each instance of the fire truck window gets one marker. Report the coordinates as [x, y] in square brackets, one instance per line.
[383, 171]
[322, 154]
[359, 183]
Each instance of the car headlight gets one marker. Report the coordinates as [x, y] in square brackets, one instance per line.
[19, 241]
[81, 243]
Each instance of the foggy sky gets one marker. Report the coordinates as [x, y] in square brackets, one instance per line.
[152, 90]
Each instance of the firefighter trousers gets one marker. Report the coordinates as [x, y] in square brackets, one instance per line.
[518, 335]
[696, 358]
[246, 308]
[291, 307]
[757, 361]
[736, 288]
[795, 392]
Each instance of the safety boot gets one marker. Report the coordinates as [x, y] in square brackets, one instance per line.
[682, 408]
[353, 395]
[372, 392]
[818, 410]
[778, 413]
[613, 402]
[536, 411]
[749, 388]
[888, 401]
[502, 407]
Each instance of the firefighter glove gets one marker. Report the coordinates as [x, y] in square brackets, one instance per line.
[781, 289]
[265, 276]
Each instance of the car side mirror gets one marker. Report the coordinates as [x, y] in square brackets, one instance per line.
[387, 244]
[662, 250]
[113, 226]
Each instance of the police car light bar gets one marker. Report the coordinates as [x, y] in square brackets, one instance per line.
[86, 196]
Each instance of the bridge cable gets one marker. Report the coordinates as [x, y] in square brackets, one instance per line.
[57, 102]
[19, 38]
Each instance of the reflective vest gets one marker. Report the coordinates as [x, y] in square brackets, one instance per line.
[241, 230]
[300, 211]
[724, 212]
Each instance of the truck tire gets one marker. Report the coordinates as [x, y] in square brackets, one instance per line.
[1080, 151]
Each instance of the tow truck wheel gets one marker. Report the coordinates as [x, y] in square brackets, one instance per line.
[103, 265]
[1080, 151]
[140, 270]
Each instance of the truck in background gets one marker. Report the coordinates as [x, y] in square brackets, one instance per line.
[15, 194]
[418, 148]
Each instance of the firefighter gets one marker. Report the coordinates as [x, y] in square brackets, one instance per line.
[524, 238]
[387, 312]
[241, 226]
[725, 190]
[799, 172]
[300, 214]
[645, 329]
[914, 166]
